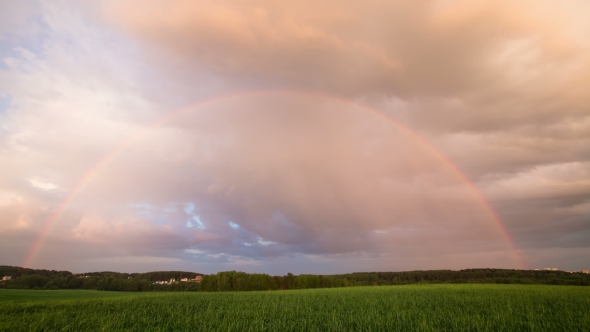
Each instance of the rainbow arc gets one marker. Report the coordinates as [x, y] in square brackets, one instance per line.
[87, 177]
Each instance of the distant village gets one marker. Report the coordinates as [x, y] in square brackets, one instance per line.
[173, 280]
[163, 282]
[556, 269]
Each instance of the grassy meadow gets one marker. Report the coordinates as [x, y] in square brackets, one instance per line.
[383, 308]
[19, 295]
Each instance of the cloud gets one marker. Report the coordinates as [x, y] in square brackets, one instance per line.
[277, 177]
[401, 47]
[41, 184]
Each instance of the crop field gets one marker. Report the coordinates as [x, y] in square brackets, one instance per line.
[378, 308]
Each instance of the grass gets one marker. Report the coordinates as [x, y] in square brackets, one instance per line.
[386, 308]
[20, 295]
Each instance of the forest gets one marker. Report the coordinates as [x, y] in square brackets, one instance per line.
[24, 278]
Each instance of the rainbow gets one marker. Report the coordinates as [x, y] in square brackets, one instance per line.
[55, 215]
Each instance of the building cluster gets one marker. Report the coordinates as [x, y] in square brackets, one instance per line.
[173, 280]
[556, 269]
[166, 282]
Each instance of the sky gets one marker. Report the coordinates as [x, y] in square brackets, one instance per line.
[304, 136]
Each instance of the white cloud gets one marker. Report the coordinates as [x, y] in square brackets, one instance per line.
[42, 184]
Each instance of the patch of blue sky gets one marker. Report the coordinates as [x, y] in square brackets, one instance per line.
[4, 103]
[194, 251]
[261, 242]
[198, 222]
[189, 208]
[195, 221]
[234, 225]
[17, 46]
[264, 242]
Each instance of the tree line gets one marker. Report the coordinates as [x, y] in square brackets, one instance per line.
[23, 278]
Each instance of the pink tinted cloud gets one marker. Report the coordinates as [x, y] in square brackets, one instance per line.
[496, 86]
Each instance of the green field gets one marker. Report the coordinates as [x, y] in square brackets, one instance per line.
[19, 295]
[380, 308]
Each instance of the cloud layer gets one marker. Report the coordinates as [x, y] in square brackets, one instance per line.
[297, 137]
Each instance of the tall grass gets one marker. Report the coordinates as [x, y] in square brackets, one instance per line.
[388, 308]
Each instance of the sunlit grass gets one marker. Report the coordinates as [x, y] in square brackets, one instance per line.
[386, 308]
